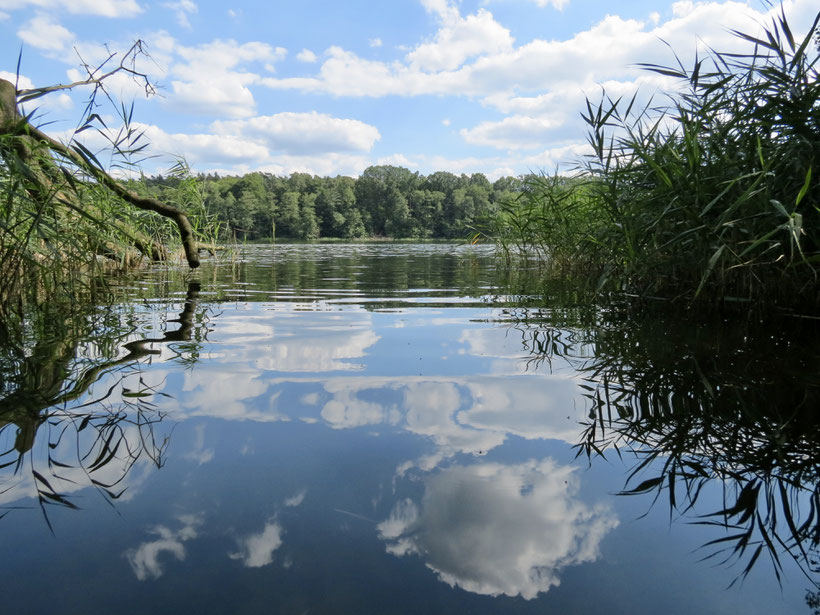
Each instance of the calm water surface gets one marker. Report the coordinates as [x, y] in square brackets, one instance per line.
[383, 428]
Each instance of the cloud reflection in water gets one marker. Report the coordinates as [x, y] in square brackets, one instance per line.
[498, 529]
[459, 414]
[145, 559]
[256, 550]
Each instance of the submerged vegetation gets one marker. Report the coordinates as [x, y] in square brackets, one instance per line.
[714, 195]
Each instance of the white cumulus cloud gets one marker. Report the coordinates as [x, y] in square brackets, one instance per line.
[23, 82]
[211, 78]
[45, 33]
[460, 39]
[514, 132]
[102, 8]
[300, 133]
[182, 8]
[556, 4]
[477, 56]
[203, 150]
[306, 55]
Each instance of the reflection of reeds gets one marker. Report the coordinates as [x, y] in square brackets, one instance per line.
[813, 602]
[729, 402]
[100, 440]
[109, 439]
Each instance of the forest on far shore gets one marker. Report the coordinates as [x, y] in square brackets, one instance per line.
[385, 201]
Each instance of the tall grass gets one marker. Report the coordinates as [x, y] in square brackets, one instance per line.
[63, 214]
[712, 195]
[54, 239]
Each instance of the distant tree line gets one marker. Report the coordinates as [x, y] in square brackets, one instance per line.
[385, 201]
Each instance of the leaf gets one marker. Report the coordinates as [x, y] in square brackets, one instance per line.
[59, 464]
[17, 73]
[779, 207]
[108, 458]
[709, 268]
[57, 499]
[804, 189]
[752, 561]
[661, 70]
[86, 154]
[42, 479]
[728, 538]
[645, 486]
[746, 501]
[136, 394]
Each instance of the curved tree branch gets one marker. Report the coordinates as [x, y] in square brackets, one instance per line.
[11, 122]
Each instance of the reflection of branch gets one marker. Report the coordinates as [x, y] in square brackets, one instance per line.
[36, 401]
[137, 348]
[104, 434]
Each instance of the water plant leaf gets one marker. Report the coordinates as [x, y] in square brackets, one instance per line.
[138, 394]
[804, 189]
[710, 267]
[645, 486]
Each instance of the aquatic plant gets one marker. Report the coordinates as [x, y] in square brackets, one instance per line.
[62, 210]
[711, 195]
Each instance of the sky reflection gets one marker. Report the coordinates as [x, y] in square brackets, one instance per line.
[256, 550]
[499, 529]
[352, 455]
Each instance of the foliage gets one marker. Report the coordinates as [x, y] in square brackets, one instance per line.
[713, 195]
[385, 201]
[63, 217]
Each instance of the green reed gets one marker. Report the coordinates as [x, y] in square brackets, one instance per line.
[65, 216]
[712, 195]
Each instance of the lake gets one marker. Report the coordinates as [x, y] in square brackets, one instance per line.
[399, 428]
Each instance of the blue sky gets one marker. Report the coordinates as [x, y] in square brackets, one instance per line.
[491, 86]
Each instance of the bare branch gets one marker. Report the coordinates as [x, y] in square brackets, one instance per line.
[127, 65]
